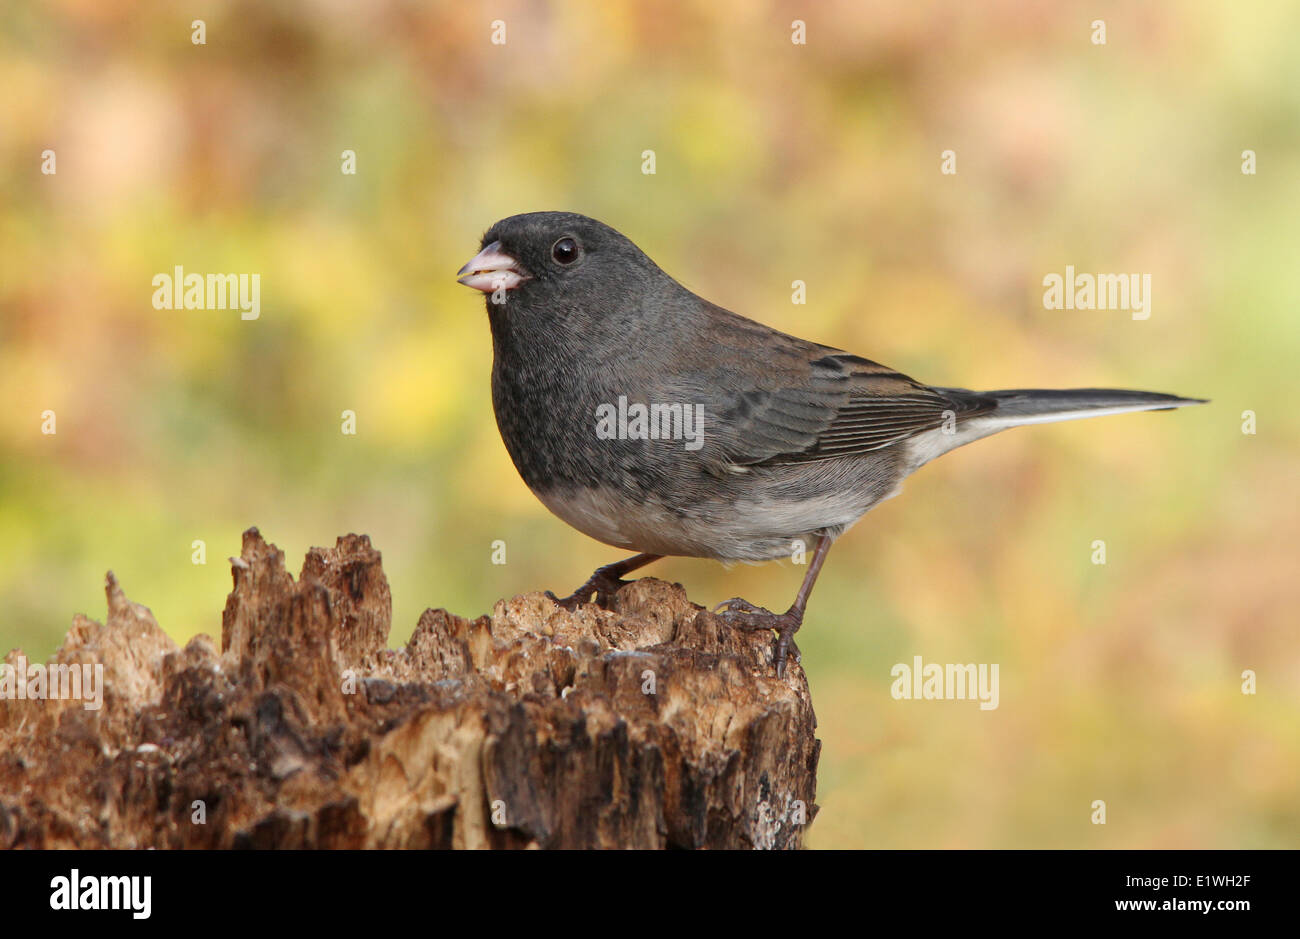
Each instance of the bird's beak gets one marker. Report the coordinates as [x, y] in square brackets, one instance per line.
[490, 270]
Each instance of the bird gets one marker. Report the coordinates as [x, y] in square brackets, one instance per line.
[657, 422]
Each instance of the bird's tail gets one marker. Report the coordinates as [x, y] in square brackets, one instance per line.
[1041, 406]
[991, 411]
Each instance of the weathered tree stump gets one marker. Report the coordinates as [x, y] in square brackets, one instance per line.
[649, 726]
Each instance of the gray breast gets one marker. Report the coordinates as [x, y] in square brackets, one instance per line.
[750, 514]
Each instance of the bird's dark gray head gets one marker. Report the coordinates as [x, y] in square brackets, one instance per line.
[558, 263]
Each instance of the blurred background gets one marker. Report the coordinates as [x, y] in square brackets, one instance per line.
[775, 162]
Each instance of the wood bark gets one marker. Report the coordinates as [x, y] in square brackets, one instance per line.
[651, 725]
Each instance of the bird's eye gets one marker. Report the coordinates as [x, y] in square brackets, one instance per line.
[565, 251]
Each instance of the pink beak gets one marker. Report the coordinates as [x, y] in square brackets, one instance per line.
[490, 270]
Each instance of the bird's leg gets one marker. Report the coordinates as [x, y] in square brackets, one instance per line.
[744, 615]
[604, 583]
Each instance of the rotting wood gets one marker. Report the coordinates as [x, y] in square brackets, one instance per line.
[648, 726]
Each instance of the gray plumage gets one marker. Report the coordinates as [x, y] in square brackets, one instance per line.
[799, 439]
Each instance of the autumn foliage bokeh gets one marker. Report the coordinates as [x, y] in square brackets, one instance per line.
[775, 162]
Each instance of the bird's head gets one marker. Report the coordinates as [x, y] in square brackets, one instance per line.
[557, 261]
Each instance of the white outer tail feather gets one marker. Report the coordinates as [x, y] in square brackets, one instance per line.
[924, 447]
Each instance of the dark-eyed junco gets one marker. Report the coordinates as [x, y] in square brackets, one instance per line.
[655, 421]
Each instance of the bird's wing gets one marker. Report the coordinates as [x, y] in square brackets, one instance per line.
[847, 406]
[812, 402]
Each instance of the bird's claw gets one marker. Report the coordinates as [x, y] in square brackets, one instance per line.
[601, 589]
[738, 605]
[570, 602]
[741, 614]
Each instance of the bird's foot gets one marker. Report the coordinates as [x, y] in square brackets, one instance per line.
[741, 614]
[601, 586]
[740, 605]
